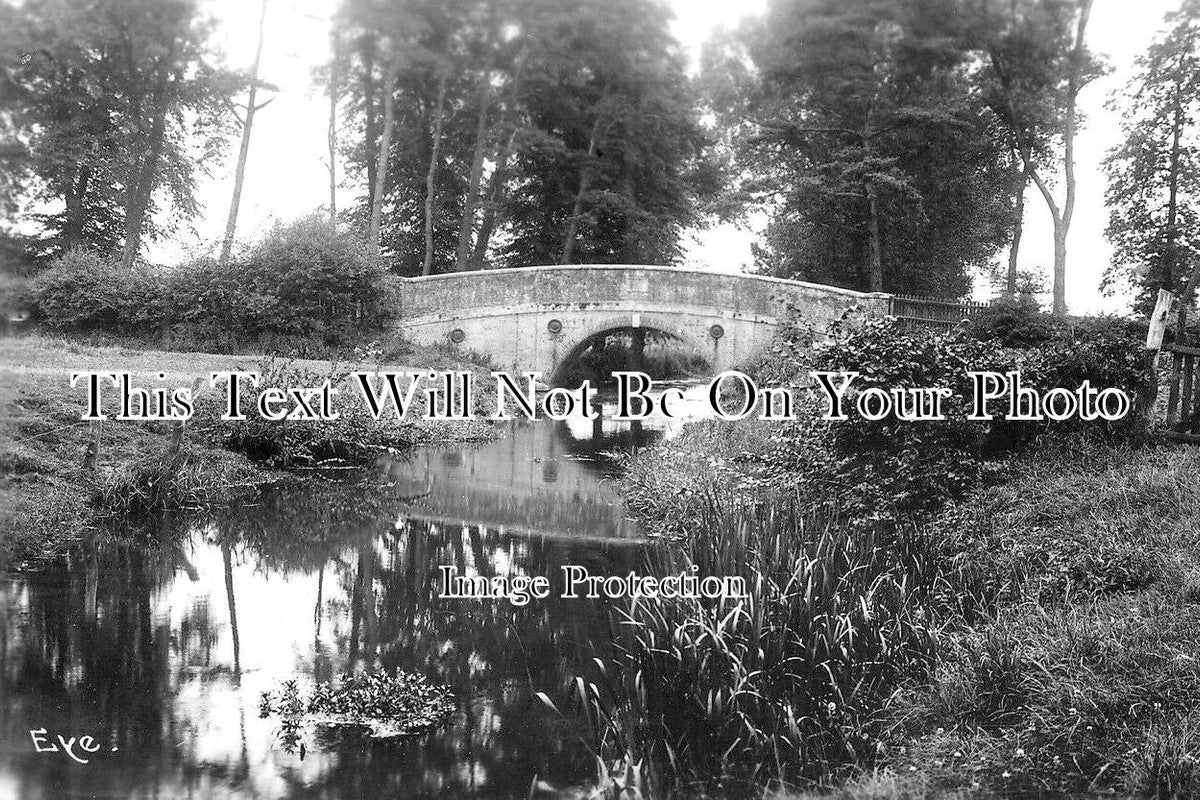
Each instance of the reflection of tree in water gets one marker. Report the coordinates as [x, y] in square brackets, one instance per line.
[93, 647]
[90, 649]
[492, 654]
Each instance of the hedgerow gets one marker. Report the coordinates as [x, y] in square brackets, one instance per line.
[888, 467]
[304, 282]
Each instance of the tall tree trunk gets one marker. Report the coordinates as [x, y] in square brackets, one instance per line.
[874, 254]
[495, 191]
[371, 127]
[76, 208]
[1010, 281]
[331, 134]
[1172, 255]
[1063, 221]
[499, 177]
[435, 151]
[244, 152]
[585, 180]
[137, 200]
[381, 160]
[874, 265]
[466, 225]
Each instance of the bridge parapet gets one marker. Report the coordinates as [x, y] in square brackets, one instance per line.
[533, 317]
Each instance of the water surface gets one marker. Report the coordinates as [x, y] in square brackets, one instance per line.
[159, 651]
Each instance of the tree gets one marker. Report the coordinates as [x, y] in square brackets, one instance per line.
[120, 105]
[1153, 191]
[1023, 47]
[495, 101]
[173, 99]
[65, 134]
[606, 168]
[1080, 69]
[252, 107]
[862, 137]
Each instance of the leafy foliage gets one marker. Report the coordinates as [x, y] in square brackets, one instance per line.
[390, 704]
[892, 466]
[122, 108]
[582, 109]
[859, 130]
[1153, 187]
[303, 281]
[84, 291]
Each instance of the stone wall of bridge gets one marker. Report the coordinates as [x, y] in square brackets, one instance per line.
[534, 318]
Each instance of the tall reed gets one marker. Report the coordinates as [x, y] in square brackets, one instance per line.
[785, 685]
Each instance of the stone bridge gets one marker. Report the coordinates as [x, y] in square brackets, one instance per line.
[539, 318]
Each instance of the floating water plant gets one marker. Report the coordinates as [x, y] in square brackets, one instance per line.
[387, 704]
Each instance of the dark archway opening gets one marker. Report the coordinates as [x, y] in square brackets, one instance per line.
[662, 356]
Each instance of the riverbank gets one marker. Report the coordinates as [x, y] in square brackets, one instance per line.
[1037, 635]
[61, 478]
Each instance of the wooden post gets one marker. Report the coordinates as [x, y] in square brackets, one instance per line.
[1181, 339]
[1158, 320]
[91, 454]
[1154, 340]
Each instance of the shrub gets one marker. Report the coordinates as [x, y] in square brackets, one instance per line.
[304, 283]
[87, 292]
[891, 466]
[306, 279]
[1013, 321]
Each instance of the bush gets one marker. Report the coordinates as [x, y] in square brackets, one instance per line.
[892, 466]
[305, 279]
[303, 283]
[1013, 322]
[1019, 322]
[87, 292]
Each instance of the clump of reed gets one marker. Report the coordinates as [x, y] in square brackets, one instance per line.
[152, 483]
[789, 683]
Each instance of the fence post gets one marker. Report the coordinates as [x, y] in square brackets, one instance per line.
[1154, 340]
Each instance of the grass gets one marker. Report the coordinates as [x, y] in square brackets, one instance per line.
[1075, 664]
[1039, 635]
[61, 477]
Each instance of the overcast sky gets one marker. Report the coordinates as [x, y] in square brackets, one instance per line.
[286, 176]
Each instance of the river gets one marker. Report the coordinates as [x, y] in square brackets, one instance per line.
[160, 650]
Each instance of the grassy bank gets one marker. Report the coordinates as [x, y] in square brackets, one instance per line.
[1040, 633]
[61, 478]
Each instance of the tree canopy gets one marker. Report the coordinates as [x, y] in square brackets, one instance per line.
[118, 107]
[1154, 174]
[537, 131]
[863, 136]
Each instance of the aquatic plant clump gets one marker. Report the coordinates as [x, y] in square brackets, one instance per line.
[388, 704]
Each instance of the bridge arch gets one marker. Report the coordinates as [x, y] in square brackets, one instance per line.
[668, 324]
[531, 318]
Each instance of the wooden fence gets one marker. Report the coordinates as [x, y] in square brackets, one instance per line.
[932, 312]
[1183, 399]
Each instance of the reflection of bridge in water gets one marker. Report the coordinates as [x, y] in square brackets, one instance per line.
[542, 479]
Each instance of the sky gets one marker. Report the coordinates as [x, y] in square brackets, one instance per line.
[287, 175]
